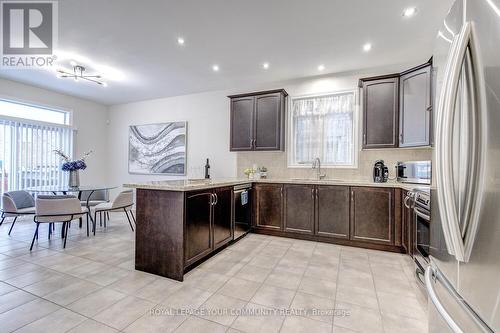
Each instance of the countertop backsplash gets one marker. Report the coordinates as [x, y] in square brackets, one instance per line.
[276, 163]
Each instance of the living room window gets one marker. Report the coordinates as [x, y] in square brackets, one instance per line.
[323, 126]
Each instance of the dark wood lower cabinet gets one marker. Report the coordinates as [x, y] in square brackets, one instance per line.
[408, 226]
[198, 226]
[332, 204]
[372, 215]
[222, 217]
[268, 207]
[299, 208]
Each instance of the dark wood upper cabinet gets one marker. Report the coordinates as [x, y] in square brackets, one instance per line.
[242, 123]
[258, 121]
[332, 219]
[415, 107]
[380, 111]
[299, 208]
[268, 206]
[372, 214]
[222, 216]
[198, 226]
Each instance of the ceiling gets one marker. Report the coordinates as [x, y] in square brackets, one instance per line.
[134, 43]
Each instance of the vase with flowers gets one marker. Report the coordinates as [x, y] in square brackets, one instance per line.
[73, 166]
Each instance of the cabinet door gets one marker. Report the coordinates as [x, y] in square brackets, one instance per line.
[380, 113]
[299, 208]
[269, 113]
[408, 226]
[333, 211]
[415, 108]
[372, 211]
[222, 218]
[242, 123]
[198, 236]
[268, 206]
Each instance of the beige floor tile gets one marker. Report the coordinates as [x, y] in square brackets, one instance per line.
[92, 326]
[194, 324]
[258, 321]
[273, 296]
[209, 281]
[264, 261]
[124, 312]
[354, 278]
[326, 271]
[12, 272]
[96, 302]
[359, 296]
[186, 297]
[133, 282]
[337, 329]
[59, 321]
[318, 287]
[239, 288]
[318, 308]
[156, 324]
[72, 292]
[359, 318]
[396, 324]
[158, 290]
[281, 279]
[51, 284]
[14, 299]
[253, 273]
[6, 288]
[24, 280]
[391, 304]
[298, 324]
[222, 309]
[25, 314]
[107, 276]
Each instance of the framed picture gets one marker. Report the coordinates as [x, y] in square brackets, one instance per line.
[157, 149]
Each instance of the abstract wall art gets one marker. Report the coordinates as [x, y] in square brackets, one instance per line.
[158, 148]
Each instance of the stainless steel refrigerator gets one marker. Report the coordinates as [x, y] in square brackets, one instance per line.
[463, 278]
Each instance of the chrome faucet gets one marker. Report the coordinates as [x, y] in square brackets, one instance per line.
[317, 165]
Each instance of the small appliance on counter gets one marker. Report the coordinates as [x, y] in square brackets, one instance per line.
[415, 172]
[380, 172]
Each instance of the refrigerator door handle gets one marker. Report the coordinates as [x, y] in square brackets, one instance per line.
[429, 285]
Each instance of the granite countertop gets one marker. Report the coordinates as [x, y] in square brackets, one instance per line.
[201, 184]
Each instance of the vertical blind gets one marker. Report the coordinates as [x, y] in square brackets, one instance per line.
[26, 153]
[323, 126]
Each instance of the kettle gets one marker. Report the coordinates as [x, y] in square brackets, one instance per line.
[380, 172]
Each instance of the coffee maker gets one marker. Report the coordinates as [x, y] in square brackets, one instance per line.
[380, 172]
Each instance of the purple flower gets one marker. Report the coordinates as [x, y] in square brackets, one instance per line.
[74, 165]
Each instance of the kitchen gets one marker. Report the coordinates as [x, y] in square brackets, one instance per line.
[344, 183]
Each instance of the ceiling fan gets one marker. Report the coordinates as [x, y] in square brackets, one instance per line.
[79, 74]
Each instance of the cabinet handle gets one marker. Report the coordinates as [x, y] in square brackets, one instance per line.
[312, 193]
[216, 199]
[281, 190]
[212, 199]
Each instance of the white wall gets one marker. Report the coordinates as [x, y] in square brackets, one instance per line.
[89, 119]
[207, 115]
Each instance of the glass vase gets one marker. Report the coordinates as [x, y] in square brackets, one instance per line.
[74, 178]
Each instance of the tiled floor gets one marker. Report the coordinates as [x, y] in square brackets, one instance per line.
[92, 286]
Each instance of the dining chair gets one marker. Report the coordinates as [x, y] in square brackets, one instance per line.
[58, 209]
[94, 197]
[123, 202]
[15, 204]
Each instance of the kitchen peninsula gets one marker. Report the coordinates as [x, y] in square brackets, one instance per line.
[182, 222]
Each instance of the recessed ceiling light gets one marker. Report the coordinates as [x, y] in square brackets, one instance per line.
[265, 65]
[321, 68]
[410, 11]
[215, 68]
[367, 47]
[180, 41]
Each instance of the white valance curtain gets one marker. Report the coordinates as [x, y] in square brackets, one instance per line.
[26, 153]
[323, 126]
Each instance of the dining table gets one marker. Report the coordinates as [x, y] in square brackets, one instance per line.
[56, 190]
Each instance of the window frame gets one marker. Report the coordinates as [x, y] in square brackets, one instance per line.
[291, 163]
[68, 112]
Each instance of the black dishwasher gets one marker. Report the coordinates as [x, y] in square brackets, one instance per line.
[242, 210]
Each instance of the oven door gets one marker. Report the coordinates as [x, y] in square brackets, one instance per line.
[422, 235]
